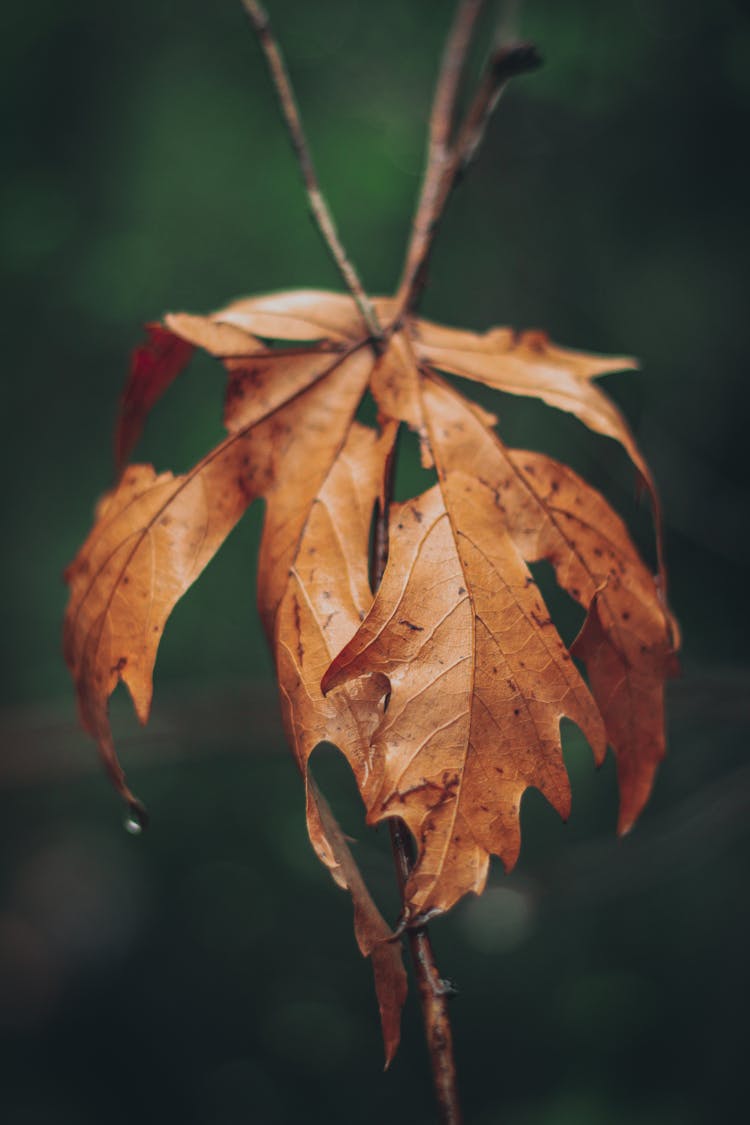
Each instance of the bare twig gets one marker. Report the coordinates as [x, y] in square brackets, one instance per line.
[446, 168]
[318, 206]
[505, 63]
[433, 990]
[441, 128]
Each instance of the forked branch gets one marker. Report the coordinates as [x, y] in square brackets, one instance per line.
[441, 128]
[447, 162]
[318, 206]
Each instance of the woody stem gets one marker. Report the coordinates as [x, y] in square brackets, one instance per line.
[433, 990]
[450, 153]
[438, 150]
[318, 206]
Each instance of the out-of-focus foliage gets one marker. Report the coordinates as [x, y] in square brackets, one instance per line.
[145, 167]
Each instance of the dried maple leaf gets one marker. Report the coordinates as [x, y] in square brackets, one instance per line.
[445, 687]
[290, 413]
[478, 674]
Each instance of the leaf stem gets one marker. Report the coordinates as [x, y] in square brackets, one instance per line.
[318, 206]
[433, 989]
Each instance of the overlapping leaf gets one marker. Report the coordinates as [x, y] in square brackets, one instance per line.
[326, 595]
[479, 682]
[551, 513]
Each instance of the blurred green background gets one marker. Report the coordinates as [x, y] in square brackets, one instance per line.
[205, 972]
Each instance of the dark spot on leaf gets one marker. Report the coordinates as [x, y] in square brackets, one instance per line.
[298, 631]
[535, 342]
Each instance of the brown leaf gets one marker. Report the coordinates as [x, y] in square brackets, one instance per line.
[479, 681]
[152, 538]
[228, 334]
[291, 412]
[326, 595]
[155, 534]
[528, 364]
[552, 514]
[627, 679]
[445, 693]
[310, 436]
[374, 938]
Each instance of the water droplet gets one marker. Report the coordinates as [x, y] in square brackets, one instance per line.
[136, 819]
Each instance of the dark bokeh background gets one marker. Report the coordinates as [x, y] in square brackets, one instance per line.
[205, 972]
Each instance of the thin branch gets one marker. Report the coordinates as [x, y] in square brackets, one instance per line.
[433, 990]
[451, 67]
[441, 128]
[318, 206]
[504, 64]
